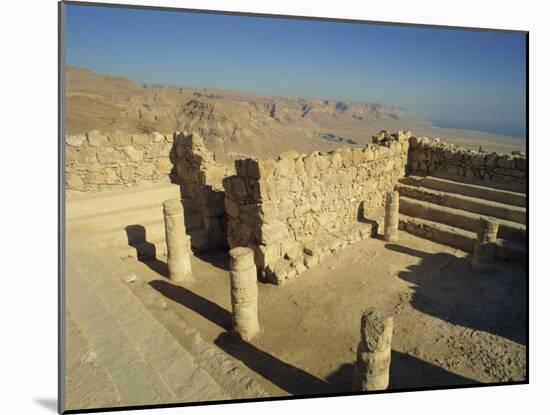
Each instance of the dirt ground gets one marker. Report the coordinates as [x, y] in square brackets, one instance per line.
[451, 326]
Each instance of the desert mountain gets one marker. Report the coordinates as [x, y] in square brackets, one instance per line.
[234, 124]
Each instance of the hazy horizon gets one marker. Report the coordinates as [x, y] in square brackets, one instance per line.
[473, 80]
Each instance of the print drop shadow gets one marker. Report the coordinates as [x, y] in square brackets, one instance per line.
[406, 372]
[446, 288]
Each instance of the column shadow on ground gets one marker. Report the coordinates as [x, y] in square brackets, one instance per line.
[446, 288]
[287, 377]
[406, 372]
[200, 305]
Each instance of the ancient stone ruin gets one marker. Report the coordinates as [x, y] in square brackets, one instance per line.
[295, 210]
[166, 201]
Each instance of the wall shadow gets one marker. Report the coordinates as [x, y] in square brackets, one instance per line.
[406, 372]
[217, 258]
[287, 377]
[192, 301]
[446, 288]
[363, 218]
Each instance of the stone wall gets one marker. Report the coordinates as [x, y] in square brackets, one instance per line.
[201, 178]
[294, 210]
[98, 161]
[432, 156]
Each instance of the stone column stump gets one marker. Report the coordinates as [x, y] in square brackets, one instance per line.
[244, 292]
[485, 246]
[177, 242]
[391, 220]
[372, 369]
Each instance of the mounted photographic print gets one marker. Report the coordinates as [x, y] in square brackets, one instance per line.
[261, 206]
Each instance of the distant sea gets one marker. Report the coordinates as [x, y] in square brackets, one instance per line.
[510, 130]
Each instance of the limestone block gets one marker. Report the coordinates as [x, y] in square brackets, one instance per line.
[238, 187]
[109, 155]
[404, 135]
[284, 167]
[272, 232]
[506, 162]
[95, 177]
[231, 207]
[336, 160]
[141, 139]
[127, 173]
[266, 168]
[154, 151]
[291, 249]
[119, 138]
[300, 268]
[71, 156]
[347, 157]
[146, 170]
[310, 163]
[74, 181]
[75, 140]
[311, 261]
[111, 176]
[357, 156]
[133, 154]
[290, 155]
[384, 152]
[323, 162]
[396, 148]
[87, 155]
[299, 167]
[97, 139]
[268, 255]
[164, 166]
[312, 248]
[157, 137]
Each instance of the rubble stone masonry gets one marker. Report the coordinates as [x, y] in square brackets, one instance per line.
[201, 178]
[432, 156]
[97, 161]
[293, 210]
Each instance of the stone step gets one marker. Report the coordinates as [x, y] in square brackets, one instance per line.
[438, 232]
[95, 203]
[459, 218]
[81, 363]
[145, 362]
[231, 375]
[467, 189]
[124, 217]
[458, 238]
[467, 203]
[138, 235]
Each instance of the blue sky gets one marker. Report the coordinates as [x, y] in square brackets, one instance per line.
[455, 78]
